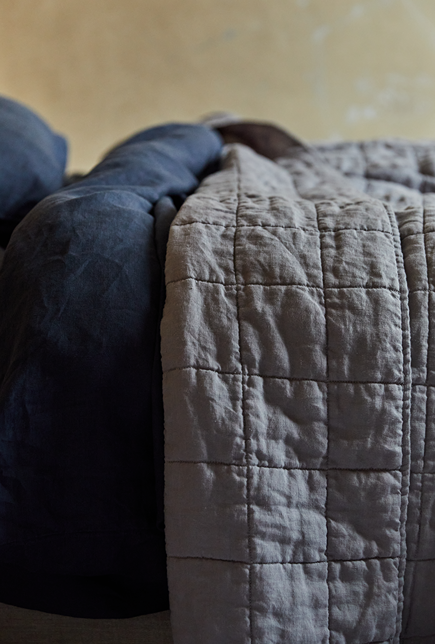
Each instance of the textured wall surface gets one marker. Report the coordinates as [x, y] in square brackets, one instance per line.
[321, 68]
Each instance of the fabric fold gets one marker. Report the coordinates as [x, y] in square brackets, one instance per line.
[287, 395]
[80, 410]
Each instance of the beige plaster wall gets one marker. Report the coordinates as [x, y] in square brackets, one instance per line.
[98, 70]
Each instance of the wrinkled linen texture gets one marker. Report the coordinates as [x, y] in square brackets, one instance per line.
[297, 349]
[81, 444]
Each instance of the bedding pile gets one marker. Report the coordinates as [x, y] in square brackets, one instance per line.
[297, 348]
[81, 429]
[299, 402]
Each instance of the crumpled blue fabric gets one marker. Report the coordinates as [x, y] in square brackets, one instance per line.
[32, 163]
[81, 429]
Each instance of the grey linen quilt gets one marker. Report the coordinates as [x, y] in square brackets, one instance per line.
[299, 370]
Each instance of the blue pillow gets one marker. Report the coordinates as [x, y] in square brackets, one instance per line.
[32, 163]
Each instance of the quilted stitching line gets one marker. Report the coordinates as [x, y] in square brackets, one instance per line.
[407, 385]
[245, 427]
[420, 513]
[289, 378]
[426, 232]
[426, 474]
[429, 329]
[423, 384]
[381, 470]
[327, 424]
[285, 285]
[286, 563]
[313, 230]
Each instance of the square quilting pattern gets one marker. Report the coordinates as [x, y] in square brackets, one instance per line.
[279, 256]
[290, 603]
[288, 514]
[365, 423]
[430, 256]
[287, 422]
[279, 210]
[206, 511]
[359, 258]
[418, 423]
[365, 214]
[206, 409]
[419, 326]
[283, 331]
[202, 207]
[410, 220]
[413, 253]
[365, 335]
[259, 178]
[363, 510]
[363, 600]
[429, 214]
[206, 253]
[206, 316]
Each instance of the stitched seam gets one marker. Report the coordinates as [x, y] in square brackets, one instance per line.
[245, 428]
[289, 378]
[280, 285]
[327, 425]
[287, 563]
[420, 513]
[426, 232]
[424, 384]
[315, 231]
[431, 473]
[429, 329]
[289, 469]
[407, 385]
